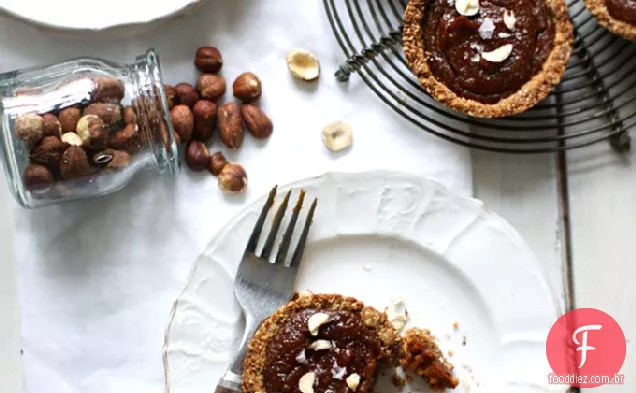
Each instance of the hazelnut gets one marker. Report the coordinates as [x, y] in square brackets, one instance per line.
[204, 113]
[247, 87]
[123, 137]
[108, 89]
[211, 87]
[171, 95]
[337, 136]
[37, 178]
[177, 139]
[232, 178]
[49, 152]
[257, 122]
[109, 113]
[231, 125]
[183, 121]
[197, 156]
[112, 159]
[28, 127]
[51, 125]
[90, 129]
[208, 60]
[72, 139]
[186, 94]
[74, 163]
[217, 162]
[303, 65]
[69, 118]
[130, 117]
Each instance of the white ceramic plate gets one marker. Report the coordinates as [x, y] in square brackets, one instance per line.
[377, 236]
[82, 15]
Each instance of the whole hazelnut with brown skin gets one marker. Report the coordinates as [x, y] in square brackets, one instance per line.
[37, 178]
[183, 121]
[247, 87]
[171, 95]
[231, 125]
[204, 113]
[92, 131]
[28, 128]
[109, 113]
[108, 89]
[257, 122]
[217, 162]
[130, 117]
[208, 60]
[51, 125]
[197, 156]
[69, 118]
[49, 152]
[186, 94]
[232, 178]
[123, 137]
[111, 159]
[74, 163]
[211, 87]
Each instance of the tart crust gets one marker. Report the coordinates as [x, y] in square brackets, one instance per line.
[255, 359]
[533, 91]
[598, 8]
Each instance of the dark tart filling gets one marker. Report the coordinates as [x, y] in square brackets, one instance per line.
[457, 43]
[624, 10]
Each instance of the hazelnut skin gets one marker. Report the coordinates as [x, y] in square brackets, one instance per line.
[231, 125]
[109, 113]
[233, 178]
[171, 95]
[208, 60]
[28, 128]
[49, 152]
[217, 162]
[108, 89]
[92, 131]
[204, 113]
[211, 87]
[197, 156]
[68, 119]
[186, 94]
[74, 163]
[183, 121]
[51, 125]
[130, 117]
[257, 122]
[37, 178]
[247, 87]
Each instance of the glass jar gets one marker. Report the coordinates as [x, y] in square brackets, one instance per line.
[83, 128]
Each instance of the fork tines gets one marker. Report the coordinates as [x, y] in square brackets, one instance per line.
[283, 249]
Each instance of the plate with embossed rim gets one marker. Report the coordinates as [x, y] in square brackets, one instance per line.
[463, 272]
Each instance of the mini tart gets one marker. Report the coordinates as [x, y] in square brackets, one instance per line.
[279, 354]
[456, 65]
[601, 10]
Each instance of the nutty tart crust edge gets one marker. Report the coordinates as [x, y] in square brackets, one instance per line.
[598, 8]
[533, 91]
[372, 318]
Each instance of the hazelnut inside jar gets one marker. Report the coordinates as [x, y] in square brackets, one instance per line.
[83, 128]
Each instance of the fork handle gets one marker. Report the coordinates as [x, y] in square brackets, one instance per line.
[229, 383]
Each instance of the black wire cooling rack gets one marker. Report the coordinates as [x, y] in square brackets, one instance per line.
[595, 101]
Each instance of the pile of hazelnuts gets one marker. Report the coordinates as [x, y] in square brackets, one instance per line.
[196, 115]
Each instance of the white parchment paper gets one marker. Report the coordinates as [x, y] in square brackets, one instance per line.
[97, 278]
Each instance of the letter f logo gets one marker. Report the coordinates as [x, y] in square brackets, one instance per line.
[583, 344]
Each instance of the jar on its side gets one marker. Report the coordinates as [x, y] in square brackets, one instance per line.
[83, 128]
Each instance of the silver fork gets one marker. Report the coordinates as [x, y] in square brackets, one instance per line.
[260, 286]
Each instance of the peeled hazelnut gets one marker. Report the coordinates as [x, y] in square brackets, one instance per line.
[72, 139]
[109, 113]
[186, 94]
[130, 117]
[51, 125]
[37, 178]
[353, 381]
[211, 87]
[231, 125]
[108, 90]
[74, 163]
[315, 321]
[303, 65]
[247, 87]
[208, 60]
[337, 136]
[112, 159]
[306, 382]
[197, 156]
[90, 129]
[49, 152]
[183, 121]
[204, 113]
[233, 178]
[171, 95]
[28, 127]
[123, 137]
[257, 122]
[69, 118]
[217, 162]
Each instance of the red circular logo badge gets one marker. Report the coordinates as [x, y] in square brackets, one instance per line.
[585, 348]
